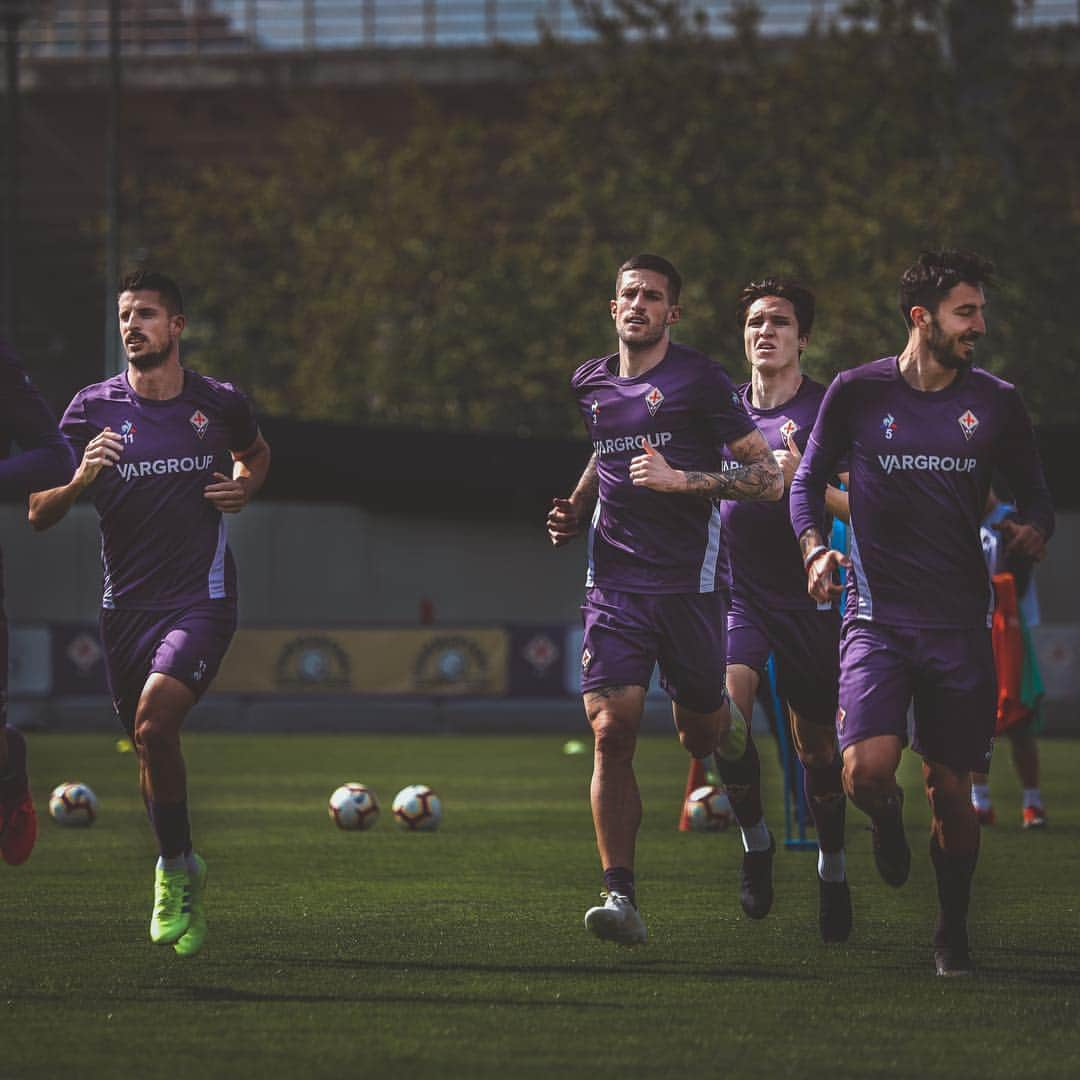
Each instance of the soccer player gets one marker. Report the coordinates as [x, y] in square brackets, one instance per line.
[770, 610]
[26, 420]
[923, 433]
[657, 581]
[1018, 715]
[164, 453]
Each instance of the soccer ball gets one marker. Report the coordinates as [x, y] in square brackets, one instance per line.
[354, 806]
[417, 808]
[708, 809]
[72, 803]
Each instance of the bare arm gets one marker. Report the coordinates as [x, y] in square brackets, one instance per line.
[250, 466]
[566, 516]
[821, 563]
[49, 507]
[757, 476]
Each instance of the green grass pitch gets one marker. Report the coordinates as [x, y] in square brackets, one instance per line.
[462, 953]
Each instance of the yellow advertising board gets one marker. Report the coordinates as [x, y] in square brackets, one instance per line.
[424, 662]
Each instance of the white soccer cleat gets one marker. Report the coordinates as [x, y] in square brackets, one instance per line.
[618, 920]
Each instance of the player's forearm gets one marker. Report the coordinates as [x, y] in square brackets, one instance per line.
[251, 470]
[49, 507]
[811, 543]
[755, 480]
[587, 490]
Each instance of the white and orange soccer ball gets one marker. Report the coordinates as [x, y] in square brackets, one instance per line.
[708, 809]
[354, 806]
[72, 803]
[417, 808]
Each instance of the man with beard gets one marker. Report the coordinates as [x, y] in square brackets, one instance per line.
[659, 415]
[923, 434]
[164, 453]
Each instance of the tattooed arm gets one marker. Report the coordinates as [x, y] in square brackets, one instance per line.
[757, 476]
[566, 516]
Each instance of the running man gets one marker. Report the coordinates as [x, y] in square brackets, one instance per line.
[770, 611]
[26, 420]
[164, 453]
[923, 433]
[659, 414]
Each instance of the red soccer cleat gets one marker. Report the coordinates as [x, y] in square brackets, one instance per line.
[19, 831]
[1034, 817]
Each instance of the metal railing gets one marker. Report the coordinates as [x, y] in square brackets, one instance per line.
[79, 28]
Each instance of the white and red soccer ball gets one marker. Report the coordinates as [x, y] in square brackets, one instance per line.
[354, 806]
[708, 809]
[417, 808]
[73, 803]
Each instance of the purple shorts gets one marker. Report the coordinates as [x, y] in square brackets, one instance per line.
[627, 634]
[805, 646]
[188, 644]
[947, 674]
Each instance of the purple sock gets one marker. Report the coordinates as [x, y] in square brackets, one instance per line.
[621, 880]
[172, 828]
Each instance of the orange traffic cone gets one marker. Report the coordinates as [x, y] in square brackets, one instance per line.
[695, 778]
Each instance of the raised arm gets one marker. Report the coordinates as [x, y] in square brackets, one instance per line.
[48, 507]
[231, 494]
[757, 476]
[566, 517]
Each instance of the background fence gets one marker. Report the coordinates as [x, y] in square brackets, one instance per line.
[78, 29]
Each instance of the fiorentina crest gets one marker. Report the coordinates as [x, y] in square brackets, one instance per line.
[968, 423]
[654, 399]
[199, 422]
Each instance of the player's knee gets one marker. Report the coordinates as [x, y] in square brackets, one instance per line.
[152, 738]
[699, 741]
[949, 798]
[816, 757]
[865, 781]
[614, 738]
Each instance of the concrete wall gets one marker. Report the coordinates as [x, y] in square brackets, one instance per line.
[310, 564]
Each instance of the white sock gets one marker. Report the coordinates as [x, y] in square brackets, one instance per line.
[756, 838]
[831, 865]
[1032, 797]
[980, 796]
[173, 862]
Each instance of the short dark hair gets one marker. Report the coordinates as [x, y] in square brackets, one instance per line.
[658, 263]
[934, 274]
[801, 298]
[152, 281]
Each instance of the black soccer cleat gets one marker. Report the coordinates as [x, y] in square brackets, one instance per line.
[756, 891]
[892, 856]
[834, 910]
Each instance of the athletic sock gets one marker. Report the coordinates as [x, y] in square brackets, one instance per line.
[172, 828]
[172, 862]
[825, 795]
[742, 779]
[831, 865]
[980, 797]
[756, 837]
[1032, 797]
[620, 879]
[13, 781]
[954, 874]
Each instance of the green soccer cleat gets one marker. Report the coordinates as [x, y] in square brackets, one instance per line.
[172, 906]
[194, 937]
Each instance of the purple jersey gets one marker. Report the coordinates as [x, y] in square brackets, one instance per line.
[645, 541]
[25, 419]
[766, 565]
[920, 464]
[163, 544]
